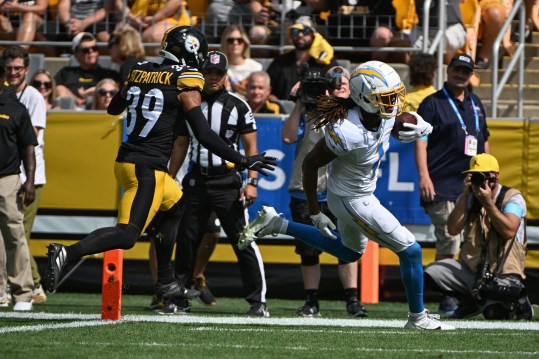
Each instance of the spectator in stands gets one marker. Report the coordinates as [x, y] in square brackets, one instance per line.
[422, 72]
[493, 16]
[532, 21]
[126, 49]
[243, 12]
[85, 16]
[311, 51]
[27, 14]
[455, 33]
[235, 44]
[153, 18]
[43, 81]
[265, 19]
[392, 34]
[17, 62]
[79, 82]
[258, 94]
[104, 91]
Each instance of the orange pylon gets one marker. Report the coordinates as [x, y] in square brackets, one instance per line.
[370, 275]
[111, 297]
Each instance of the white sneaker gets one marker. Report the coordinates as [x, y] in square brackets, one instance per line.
[20, 306]
[38, 295]
[426, 321]
[267, 222]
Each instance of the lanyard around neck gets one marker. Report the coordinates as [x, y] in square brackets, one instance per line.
[462, 124]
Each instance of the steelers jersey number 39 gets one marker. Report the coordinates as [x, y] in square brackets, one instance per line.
[144, 109]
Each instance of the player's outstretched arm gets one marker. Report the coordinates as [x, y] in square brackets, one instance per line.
[201, 129]
[118, 104]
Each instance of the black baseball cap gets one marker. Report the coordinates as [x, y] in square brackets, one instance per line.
[462, 60]
[216, 60]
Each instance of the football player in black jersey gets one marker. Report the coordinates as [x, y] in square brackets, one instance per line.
[157, 98]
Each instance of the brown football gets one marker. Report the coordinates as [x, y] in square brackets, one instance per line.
[399, 122]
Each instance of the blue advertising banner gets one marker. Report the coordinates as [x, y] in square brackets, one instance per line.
[273, 189]
[397, 186]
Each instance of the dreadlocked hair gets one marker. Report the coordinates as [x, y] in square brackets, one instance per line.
[329, 109]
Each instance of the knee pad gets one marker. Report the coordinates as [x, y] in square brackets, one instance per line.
[402, 239]
[309, 261]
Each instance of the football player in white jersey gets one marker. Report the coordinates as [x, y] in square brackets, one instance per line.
[357, 136]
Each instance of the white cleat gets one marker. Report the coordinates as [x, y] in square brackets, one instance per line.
[426, 321]
[267, 222]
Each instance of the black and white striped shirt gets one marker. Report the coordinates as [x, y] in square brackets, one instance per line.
[230, 117]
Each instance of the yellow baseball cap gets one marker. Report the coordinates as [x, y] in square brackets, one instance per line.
[483, 163]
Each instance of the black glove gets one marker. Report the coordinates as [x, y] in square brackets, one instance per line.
[259, 163]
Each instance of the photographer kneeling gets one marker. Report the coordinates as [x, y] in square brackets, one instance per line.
[487, 277]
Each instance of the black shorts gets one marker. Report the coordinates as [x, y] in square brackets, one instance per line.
[300, 214]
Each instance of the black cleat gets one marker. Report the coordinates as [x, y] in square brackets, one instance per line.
[56, 262]
[206, 296]
[258, 310]
[180, 307]
[309, 310]
[174, 290]
[355, 309]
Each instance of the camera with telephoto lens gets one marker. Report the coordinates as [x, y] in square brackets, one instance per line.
[478, 179]
[483, 277]
[313, 84]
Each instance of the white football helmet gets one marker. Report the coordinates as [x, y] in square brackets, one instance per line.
[377, 88]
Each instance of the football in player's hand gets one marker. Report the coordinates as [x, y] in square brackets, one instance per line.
[404, 117]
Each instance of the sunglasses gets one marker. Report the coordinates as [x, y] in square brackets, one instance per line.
[103, 92]
[38, 84]
[86, 50]
[232, 40]
[15, 69]
[296, 32]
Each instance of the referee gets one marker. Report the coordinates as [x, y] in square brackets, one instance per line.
[212, 185]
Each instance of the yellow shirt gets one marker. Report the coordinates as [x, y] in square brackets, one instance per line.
[416, 96]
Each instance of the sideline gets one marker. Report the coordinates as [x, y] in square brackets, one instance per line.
[95, 319]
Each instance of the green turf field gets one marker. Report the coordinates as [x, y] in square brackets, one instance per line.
[69, 326]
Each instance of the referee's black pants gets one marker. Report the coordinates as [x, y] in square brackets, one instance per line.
[201, 195]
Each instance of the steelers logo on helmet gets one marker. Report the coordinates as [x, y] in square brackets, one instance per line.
[377, 88]
[192, 44]
[185, 45]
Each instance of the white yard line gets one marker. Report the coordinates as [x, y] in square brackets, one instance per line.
[40, 327]
[275, 321]
[318, 349]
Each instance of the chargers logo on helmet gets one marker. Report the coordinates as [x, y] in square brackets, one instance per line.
[369, 72]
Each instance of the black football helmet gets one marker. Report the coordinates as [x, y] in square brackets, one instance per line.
[185, 45]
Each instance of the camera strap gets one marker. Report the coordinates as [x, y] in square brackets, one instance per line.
[502, 257]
